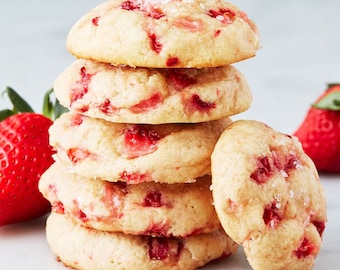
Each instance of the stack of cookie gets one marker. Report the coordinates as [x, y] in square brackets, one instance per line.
[149, 95]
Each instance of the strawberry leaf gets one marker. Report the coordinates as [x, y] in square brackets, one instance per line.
[330, 85]
[58, 109]
[47, 109]
[5, 113]
[19, 104]
[52, 109]
[329, 102]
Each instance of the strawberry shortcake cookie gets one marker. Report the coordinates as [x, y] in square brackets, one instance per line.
[155, 209]
[162, 34]
[268, 196]
[152, 96]
[132, 153]
[88, 249]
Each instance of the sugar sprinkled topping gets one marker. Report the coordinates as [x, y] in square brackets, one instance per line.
[298, 166]
[306, 201]
[220, 18]
[116, 202]
[283, 173]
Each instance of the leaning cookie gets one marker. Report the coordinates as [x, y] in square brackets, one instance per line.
[88, 249]
[152, 96]
[161, 34]
[268, 196]
[155, 209]
[169, 153]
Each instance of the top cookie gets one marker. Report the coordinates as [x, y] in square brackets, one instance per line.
[163, 34]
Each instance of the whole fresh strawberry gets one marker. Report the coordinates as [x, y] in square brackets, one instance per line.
[319, 133]
[24, 155]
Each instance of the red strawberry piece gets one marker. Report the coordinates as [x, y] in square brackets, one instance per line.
[161, 248]
[158, 248]
[81, 87]
[189, 23]
[107, 108]
[179, 79]
[130, 5]
[155, 44]
[154, 12]
[95, 21]
[148, 104]
[305, 249]
[172, 61]
[319, 133]
[25, 154]
[160, 229]
[320, 226]
[263, 171]
[150, 10]
[77, 212]
[58, 207]
[195, 103]
[140, 141]
[79, 154]
[112, 195]
[267, 166]
[224, 15]
[77, 120]
[135, 177]
[153, 199]
[271, 215]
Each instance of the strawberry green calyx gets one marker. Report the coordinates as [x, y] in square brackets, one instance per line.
[50, 109]
[331, 99]
[19, 104]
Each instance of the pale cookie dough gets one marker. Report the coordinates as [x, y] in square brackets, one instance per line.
[152, 96]
[268, 196]
[161, 34]
[87, 249]
[169, 153]
[155, 209]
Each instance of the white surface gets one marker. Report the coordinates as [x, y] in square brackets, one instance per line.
[300, 54]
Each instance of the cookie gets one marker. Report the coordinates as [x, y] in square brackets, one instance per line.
[268, 196]
[152, 96]
[169, 153]
[179, 210]
[88, 249]
[162, 34]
